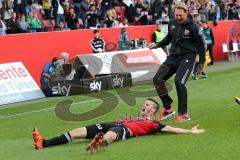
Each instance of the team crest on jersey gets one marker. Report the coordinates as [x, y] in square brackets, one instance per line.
[186, 32]
[173, 27]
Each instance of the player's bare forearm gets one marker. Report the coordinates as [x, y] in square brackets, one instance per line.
[194, 130]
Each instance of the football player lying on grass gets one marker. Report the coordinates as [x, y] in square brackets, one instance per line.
[106, 133]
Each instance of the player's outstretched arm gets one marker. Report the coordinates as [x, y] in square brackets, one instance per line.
[194, 130]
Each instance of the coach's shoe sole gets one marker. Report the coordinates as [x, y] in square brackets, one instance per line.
[166, 115]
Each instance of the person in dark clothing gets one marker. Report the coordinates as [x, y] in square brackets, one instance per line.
[46, 75]
[71, 19]
[97, 44]
[209, 39]
[13, 25]
[183, 34]
[92, 17]
[106, 133]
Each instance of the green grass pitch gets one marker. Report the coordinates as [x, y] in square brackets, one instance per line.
[211, 102]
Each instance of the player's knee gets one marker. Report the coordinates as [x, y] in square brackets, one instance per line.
[111, 136]
[157, 81]
[78, 133]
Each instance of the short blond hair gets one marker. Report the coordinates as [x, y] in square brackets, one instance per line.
[181, 5]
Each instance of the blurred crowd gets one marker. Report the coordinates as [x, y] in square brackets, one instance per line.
[26, 16]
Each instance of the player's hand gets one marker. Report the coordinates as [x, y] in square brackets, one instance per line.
[196, 130]
[152, 45]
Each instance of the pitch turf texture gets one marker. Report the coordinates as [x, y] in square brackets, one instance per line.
[211, 102]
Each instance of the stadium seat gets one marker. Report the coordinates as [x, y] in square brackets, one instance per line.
[232, 54]
[235, 50]
[47, 24]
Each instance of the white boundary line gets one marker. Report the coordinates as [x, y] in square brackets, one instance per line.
[2, 117]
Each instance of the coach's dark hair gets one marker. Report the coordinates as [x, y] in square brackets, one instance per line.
[150, 99]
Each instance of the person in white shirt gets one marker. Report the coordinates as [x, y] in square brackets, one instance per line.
[124, 23]
[58, 11]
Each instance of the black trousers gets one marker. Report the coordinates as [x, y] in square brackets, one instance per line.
[210, 49]
[181, 65]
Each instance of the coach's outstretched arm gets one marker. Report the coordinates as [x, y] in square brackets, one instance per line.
[194, 130]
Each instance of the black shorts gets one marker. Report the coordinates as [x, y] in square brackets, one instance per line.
[121, 131]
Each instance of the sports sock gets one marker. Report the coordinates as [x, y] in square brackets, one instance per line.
[62, 139]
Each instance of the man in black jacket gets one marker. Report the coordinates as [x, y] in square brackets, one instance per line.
[184, 35]
[71, 19]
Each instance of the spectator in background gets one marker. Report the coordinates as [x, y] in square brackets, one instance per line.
[13, 25]
[23, 24]
[140, 17]
[7, 9]
[218, 14]
[35, 23]
[203, 11]
[77, 6]
[192, 8]
[28, 6]
[48, 71]
[157, 9]
[46, 5]
[232, 12]
[29, 17]
[71, 19]
[18, 7]
[157, 35]
[225, 12]
[110, 20]
[61, 27]
[124, 23]
[105, 6]
[198, 20]
[130, 10]
[212, 14]
[97, 44]
[1, 7]
[209, 39]
[165, 17]
[58, 11]
[124, 40]
[84, 7]
[92, 18]
[3, 27]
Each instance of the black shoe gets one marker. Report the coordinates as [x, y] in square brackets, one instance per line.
[194, 77]
[204, 76]
[237, 100]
